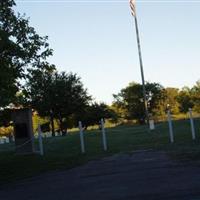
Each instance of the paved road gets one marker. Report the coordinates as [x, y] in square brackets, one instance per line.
[141, 176]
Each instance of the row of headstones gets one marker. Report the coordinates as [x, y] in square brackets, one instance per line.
[44, 135]
[48, 134]
[4, 140]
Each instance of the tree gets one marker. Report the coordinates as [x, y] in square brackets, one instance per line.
[196, 96]
[190, 98]
[56, 95]
[185, 99]
[171, 99]
[93, 113]
[5, 117]
[130, 99]
[21, 49]
[38, 93]
[70, 97]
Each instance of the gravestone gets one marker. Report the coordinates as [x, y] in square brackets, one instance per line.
[23, 131]
[151, 124]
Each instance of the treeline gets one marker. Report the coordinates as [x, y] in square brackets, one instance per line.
[129, 103]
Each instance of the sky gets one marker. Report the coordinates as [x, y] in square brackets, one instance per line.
[96, 39]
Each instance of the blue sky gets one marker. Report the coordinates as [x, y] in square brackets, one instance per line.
[97, 41]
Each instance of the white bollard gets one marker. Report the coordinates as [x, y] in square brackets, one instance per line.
[171, 134]
[81, 137]
[103, 135]
[192, 124]
[1, 141]
[40, 141]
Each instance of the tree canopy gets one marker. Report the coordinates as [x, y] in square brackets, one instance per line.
[58, 95]
[130, 99]
[21, 49]
[93, 113]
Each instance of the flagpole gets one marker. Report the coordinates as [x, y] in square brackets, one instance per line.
[141, 69]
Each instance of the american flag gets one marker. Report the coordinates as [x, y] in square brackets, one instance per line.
[132, 5]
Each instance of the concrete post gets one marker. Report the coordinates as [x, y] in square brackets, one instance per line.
[171, 134]
[81, 137]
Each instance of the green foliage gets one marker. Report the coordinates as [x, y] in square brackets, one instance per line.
[5, 117]
[196, 96]
[21, 49]
[171, 99]
[185, 99]
[130, 100]
[92, 114]
[56, 95]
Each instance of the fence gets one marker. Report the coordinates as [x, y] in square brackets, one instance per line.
[161, 133]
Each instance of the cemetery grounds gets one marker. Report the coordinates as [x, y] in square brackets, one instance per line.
[64, 152]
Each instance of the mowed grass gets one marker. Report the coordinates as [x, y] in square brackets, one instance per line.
[64, 152]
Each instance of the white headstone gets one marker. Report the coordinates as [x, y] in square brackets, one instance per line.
[7, 140]
[151, 124]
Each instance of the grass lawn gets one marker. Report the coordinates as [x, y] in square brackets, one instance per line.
[64, 152]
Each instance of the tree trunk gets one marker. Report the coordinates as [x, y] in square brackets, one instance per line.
[52, 125]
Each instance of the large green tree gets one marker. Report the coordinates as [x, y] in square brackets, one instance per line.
[56, 95]
[21, 49]
[130, 99]
[185, 99]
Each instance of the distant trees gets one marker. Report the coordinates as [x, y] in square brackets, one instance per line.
[93, 113]
[185, 99]
[196, 96]
[128, 103]
[21, 49]
[189, 98]
[171, 95]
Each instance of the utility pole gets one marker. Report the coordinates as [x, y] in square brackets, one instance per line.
[133, 12]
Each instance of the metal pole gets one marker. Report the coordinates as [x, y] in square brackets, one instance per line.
[141, 70]
[103, 135]
[171, 134]
[40, 140]
[192, 124]
[81, 137]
